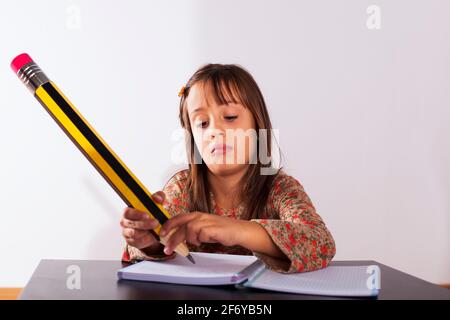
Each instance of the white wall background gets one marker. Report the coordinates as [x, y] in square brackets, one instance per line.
[363, 117]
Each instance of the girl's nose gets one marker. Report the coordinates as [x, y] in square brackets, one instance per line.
[216, 128]
[215, 133]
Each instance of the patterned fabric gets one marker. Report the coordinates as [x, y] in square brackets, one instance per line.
[290, 219]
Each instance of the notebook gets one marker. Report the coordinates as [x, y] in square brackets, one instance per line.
[248, 271]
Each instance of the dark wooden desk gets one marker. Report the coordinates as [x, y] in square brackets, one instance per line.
[99, 281]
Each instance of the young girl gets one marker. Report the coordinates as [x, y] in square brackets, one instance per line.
[221, 204]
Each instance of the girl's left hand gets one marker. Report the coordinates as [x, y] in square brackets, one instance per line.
[199, 227]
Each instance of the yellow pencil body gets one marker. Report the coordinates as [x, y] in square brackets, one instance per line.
[89, 142]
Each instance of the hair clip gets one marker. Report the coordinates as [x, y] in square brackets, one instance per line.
[183, 88]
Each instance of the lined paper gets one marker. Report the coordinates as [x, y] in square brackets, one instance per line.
[209, 268]
[333, 281]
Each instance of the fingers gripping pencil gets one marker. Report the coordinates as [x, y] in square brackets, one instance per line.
[89, 142]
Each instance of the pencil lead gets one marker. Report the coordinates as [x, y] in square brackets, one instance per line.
[190, 258]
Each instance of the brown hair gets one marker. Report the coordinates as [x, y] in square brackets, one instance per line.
[229, 82]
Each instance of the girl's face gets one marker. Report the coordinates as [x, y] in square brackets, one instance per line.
[224, 134]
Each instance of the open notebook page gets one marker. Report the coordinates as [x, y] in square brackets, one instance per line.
[331, 281]
[209, 269]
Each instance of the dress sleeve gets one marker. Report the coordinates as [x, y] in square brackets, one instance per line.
[175, 203]
[299, 231]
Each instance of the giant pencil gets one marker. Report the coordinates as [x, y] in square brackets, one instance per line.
[89, 142]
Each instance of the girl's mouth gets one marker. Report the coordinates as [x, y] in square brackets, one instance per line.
[220, 149]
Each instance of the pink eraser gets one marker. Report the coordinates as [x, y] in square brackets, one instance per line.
[19, 61]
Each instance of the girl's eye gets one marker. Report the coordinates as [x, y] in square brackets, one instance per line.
[202, 124]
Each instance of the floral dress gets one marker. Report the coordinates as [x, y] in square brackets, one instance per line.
[290, 219]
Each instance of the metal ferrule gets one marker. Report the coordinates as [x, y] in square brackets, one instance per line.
[32, 76]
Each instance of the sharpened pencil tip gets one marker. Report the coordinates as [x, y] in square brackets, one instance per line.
[190, 258]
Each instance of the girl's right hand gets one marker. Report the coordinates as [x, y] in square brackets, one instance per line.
[136, 226]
